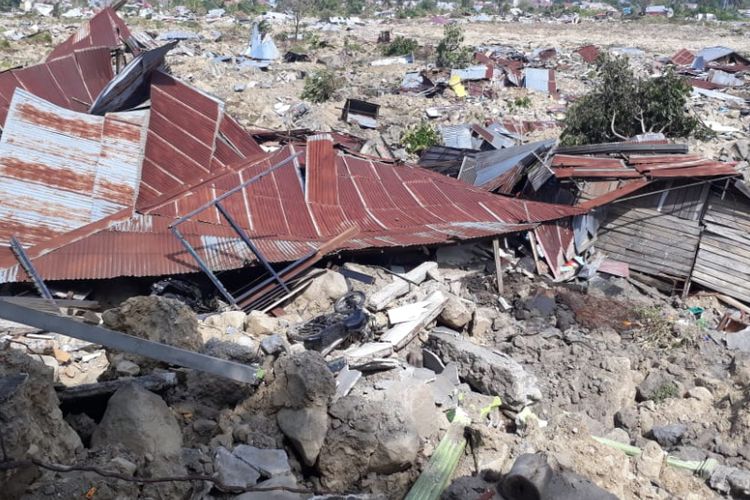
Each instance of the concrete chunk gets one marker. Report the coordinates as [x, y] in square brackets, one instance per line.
[491, 373]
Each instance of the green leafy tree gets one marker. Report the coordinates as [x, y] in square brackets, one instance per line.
[622, 105]
[450, 52]
[400, 46]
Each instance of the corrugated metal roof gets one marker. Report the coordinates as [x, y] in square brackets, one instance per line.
[189, 139]
[262, 48]
[457, 136]
[476, 72]
[105, 29]
[72, 81]
[713, 53]
[393, 205]
[62, 170]
[488, 167]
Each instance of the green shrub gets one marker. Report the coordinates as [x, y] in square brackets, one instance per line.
[400, 46]
[664, 392]
[319, 86]
[622, 105]
[450, 53]
[419, 138]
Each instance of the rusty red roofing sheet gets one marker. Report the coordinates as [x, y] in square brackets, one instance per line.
[588, 53]
[62, 170]
[72, 81]
[645, 160]
[619, 173]
[557, 244]
[320, 171]
[394, 205]
[704, 84]
[714, 169]
[683, 57]
[105, 29]
[560, 160]
[188, 140]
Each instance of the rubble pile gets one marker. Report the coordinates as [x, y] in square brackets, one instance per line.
[210, 288]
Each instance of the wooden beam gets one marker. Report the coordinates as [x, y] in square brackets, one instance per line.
[498, 265]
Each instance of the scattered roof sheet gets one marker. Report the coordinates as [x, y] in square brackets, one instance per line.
[131, 86]
[492, 169]
[589, 53]
[683, 57]
[105, 29]
[72, 81]
[540, 80]
[62, 170]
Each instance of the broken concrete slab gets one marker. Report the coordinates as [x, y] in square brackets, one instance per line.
[399, 286]
[233, 471]
[400, 335]
[489, 372]
[345, 381]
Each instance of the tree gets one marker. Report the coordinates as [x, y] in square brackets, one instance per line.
[621, 106]
[450, 53]
[298, 9]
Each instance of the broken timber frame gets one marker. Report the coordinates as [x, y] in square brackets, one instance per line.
[128, 343]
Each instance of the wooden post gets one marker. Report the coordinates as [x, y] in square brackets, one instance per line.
[532, 240]
[498, 265]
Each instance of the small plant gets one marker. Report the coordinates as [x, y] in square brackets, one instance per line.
[319, 86]
[352, 47]
[519, 103]
[4, 43]
[450, 53]
[656, 329]
[665, 391]
[400, 46]
[419, 138]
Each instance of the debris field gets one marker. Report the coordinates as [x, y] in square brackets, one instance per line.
[214, 288]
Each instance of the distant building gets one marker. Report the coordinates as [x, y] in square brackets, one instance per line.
[659, 10]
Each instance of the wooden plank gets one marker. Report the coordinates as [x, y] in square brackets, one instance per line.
[649, 243]
[729, 246]
[719, 285]
[498, 265]
[729, 234]
[656, 219]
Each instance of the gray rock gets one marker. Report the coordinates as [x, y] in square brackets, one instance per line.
[739, 341]
[668, 435]
[270, 463]
[128, 368]
[431, 361]
[455, 314]
[273, 344]
[730, 480]
[302, 380]
[627, 418]
[481, 324]
[488, 372]
[234, 472]
[306, 428]
[139, 421]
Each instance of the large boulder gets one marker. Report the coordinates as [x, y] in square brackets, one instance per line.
[31, 421]
[159, 319]
[322, 292]
[139, 421]
[366, 437]
[455, 314]
[489, 372]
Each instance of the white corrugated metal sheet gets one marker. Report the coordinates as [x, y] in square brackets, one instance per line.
[60, 169]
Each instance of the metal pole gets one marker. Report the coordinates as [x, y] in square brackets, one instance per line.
[28, 266]
[234, 190]
[250, 245]
[203, 266]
